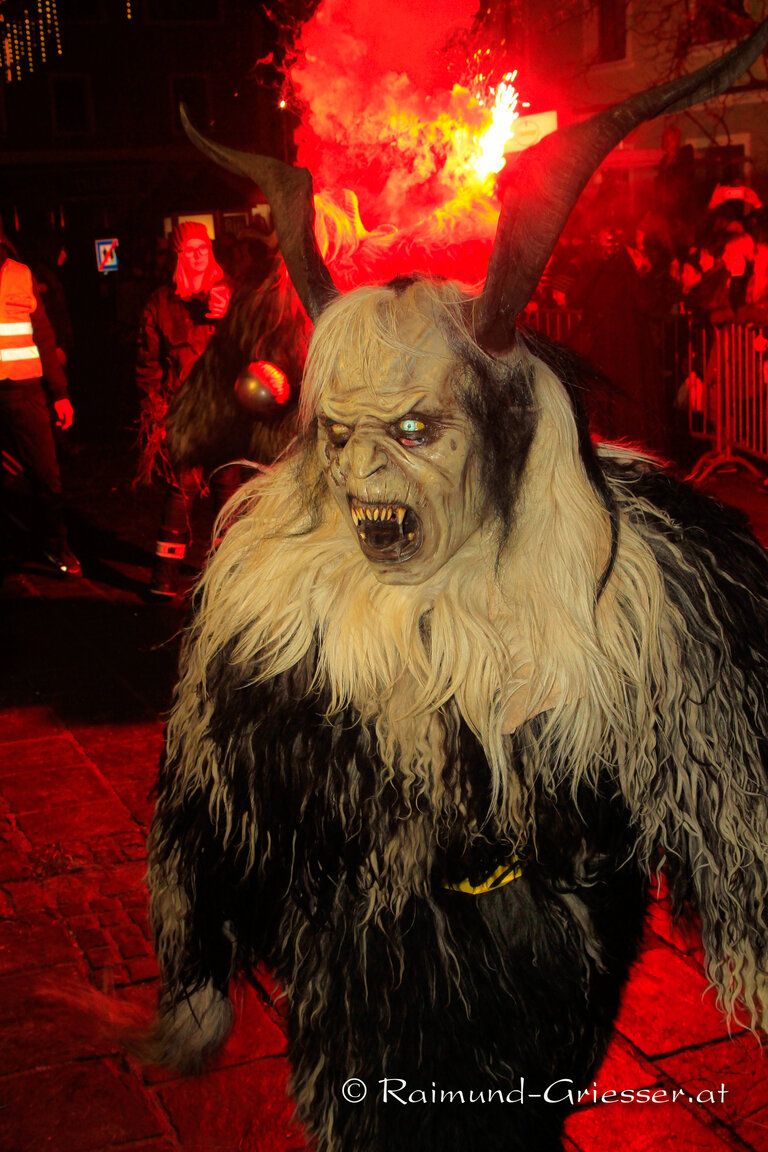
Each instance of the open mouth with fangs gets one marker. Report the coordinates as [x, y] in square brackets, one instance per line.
[387, 532]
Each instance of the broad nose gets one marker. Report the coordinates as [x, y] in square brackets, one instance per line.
[363, 455]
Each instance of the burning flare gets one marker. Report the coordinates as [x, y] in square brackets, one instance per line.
[437, 200]
[402, 156]
[493, 140]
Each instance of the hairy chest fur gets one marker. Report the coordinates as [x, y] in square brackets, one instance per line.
[315, 806]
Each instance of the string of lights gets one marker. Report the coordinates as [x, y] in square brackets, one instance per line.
[29, 32]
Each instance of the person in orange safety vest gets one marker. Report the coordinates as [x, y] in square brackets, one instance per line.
[33, 394]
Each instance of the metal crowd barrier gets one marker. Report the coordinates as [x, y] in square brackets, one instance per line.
[728, 396]
[719, 373]
[556, 323]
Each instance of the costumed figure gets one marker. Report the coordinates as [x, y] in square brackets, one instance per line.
[176, 325]
[458, 684]
[33, 393]
[240, 398]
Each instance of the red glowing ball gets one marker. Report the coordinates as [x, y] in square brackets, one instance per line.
[262, 390]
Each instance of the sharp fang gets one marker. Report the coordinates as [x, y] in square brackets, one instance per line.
[385, 512]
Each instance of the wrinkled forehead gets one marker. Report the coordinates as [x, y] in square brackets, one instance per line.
[389, 369]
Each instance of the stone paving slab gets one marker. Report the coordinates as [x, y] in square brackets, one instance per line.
[38, 944]
[255, 1036]
[255, 1033]
[648, 1127]
[624, 1068]
[54, 783]
[12, 866]
[739, 1066]
[663, 978]
[51, 825]
[123, 752]
[29, 722]
[754, 1130]
[258, 1116]
[41, 1027]
[28, 757]
[75, 1107]
[683, 936]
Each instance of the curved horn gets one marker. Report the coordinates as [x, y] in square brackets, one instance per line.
[547, 179]
[289, 193]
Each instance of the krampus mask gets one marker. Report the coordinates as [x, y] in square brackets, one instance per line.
[455, 686]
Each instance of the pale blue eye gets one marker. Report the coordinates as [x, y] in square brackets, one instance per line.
[411, 425]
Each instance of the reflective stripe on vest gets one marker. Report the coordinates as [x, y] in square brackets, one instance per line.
[28, 353]
[24, 329]
[19, 355]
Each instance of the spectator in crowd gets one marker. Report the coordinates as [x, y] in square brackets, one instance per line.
[718, 295]
[658, 289]
[33, 395]
[614, 335]
[691, 275]
[705, 283]
[622, 300]
[674, 175]
[754, 310]
[738, 257]
[176, 325]
[733, 200]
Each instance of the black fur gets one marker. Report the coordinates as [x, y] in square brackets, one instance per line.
[499, 988]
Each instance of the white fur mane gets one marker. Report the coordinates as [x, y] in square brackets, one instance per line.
[504, 645]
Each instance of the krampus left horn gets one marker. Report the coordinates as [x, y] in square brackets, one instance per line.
[289, 193]
[547, 179]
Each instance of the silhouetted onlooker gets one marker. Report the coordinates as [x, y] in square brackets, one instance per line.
[176, 325]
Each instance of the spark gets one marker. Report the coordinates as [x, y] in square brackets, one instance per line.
[492, 141]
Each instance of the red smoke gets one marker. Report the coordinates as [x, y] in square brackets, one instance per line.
[383, 118]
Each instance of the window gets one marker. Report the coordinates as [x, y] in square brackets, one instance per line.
[611, 30]
[182, 11]
[71, 104]
[193, 92]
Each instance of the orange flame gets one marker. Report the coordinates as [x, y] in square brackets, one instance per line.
[492, 141]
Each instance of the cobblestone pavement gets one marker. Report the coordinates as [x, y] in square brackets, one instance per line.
[88, 670]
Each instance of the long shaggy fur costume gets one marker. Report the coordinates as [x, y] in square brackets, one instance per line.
[205, 427]
[584, 690]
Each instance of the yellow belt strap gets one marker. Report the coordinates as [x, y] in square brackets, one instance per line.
[503, 874]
